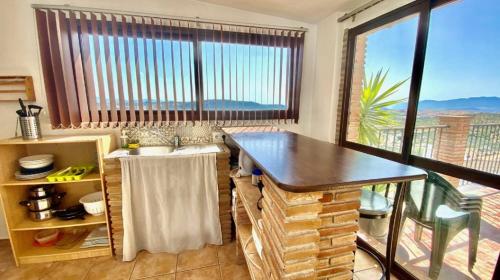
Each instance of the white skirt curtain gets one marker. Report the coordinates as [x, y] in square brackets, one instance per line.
[170, 204]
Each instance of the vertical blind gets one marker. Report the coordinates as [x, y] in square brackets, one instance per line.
[103, 69]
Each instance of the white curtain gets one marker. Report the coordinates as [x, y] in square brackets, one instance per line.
[170, 204]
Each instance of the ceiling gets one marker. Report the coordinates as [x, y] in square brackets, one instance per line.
[310, 11]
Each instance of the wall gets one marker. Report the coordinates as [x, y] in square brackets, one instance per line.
[19, 50]
[328, 67]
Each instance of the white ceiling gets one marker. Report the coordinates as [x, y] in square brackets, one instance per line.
[310, 11]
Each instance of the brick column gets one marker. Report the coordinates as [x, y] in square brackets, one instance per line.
[358, 74]
[309, 235]
[453, 141]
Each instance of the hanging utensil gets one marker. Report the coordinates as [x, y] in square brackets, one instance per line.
[36, 107]
[23, 107]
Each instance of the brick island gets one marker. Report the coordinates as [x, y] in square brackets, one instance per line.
[309, 219]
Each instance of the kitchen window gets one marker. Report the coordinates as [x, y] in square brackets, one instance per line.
[109, 70]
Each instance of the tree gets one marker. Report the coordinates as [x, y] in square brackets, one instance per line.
[374, 107]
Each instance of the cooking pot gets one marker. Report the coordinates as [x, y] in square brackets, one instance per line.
[43, 215]
[41, 191]
[39, 204]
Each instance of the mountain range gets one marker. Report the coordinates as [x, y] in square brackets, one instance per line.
[472, 104]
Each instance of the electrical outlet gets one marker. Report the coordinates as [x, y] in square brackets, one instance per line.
[217, 137]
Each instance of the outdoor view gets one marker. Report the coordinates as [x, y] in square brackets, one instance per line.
[458, 121]
[235, 76]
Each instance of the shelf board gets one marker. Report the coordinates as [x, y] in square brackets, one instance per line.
[28, 224]
[48, 254]
[250, 252]
[249, 195]
[92, 177]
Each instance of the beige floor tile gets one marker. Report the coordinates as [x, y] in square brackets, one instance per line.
[364, 261]
[26, 272]
[207, 273]
[227, 253]
[69, 270]
[108, 268]
[368, 274]
[162, 277]
[148, 264]
[197, 258]
[234, 271]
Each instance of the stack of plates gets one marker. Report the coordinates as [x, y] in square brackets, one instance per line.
[35, 167]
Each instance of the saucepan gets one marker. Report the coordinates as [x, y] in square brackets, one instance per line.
[39, 204]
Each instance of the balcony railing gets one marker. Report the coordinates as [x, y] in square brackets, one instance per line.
[426, 140]
[482, 148]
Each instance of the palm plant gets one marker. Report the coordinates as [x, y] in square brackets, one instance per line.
[374, 104]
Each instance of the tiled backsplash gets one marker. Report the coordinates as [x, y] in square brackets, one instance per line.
[156, 136]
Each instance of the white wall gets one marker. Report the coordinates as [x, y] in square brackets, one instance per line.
[328, 56]
[19, 50]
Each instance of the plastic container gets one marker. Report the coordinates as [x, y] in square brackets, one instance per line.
[93, 203]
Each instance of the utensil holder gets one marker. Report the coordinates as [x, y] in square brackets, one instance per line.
[30, 127]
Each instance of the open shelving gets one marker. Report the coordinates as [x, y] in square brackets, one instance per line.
[249, 195]
[67, 151]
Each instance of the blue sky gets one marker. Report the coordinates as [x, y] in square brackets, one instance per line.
[463, 51]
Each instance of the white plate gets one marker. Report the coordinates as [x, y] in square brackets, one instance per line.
[20, 176]
[36, 165]
[36, 158]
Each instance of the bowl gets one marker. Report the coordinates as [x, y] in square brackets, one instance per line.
[93, 203]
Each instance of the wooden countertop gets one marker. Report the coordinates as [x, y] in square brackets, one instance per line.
[298, 163]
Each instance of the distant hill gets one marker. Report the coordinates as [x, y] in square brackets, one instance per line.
[219, 104]
[473, 104]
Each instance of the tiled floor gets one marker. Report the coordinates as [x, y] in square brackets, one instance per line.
[211, 262]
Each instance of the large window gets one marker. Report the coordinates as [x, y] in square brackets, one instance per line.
[104, 69]
[434, 105]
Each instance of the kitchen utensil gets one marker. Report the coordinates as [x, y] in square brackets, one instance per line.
[23, 107]
[41, 191]
[71, 173]
[45, 236]
[93, 203]
[39, 216]
[40, 204]
[36, 107]
[73, 212]
[30, 127]
[20, 113]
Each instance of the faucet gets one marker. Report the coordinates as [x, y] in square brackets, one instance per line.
[177, 141]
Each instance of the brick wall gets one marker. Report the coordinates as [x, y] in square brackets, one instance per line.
[309, 235]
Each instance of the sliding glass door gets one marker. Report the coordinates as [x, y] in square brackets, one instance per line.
[422, 87]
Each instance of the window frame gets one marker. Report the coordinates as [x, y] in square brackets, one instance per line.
[423, 8]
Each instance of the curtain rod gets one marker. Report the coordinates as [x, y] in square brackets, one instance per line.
[129, 13]
[358, 10]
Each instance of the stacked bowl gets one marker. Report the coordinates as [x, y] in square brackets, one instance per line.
[35, 167]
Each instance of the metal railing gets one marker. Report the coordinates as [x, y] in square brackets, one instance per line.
[426, 140]
[483, 148]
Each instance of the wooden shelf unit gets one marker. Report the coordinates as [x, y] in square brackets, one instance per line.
[67, 151]
[249, 195]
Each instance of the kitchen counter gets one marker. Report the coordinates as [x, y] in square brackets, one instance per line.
[310, 208]
[298, 163]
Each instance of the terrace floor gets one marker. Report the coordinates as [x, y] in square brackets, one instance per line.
[415, 255]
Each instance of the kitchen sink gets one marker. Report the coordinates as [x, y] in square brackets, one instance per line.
[167, 150]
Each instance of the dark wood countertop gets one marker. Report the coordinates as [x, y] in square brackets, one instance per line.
[298, 163]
